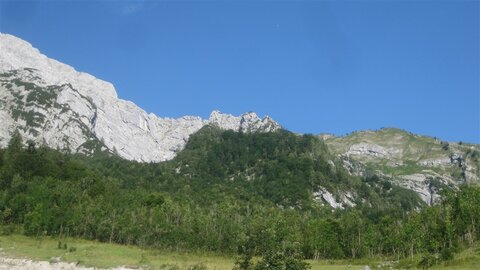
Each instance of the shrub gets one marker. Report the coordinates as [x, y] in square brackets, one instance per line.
[282, 261]
[445, 145]
[446, 254]
[427, 261]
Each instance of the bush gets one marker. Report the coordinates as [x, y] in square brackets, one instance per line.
[243, 262]
[446, 254]
[282, 261]
[7, 229]
[427, 261]
[445, 146]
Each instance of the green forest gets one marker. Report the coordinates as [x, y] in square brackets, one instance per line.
[230, 193]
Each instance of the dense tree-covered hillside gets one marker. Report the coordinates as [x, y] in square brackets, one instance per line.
[232, 193]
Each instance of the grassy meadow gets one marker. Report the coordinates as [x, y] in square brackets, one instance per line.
[104, 255]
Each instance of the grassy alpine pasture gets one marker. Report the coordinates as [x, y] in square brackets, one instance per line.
[104, 255]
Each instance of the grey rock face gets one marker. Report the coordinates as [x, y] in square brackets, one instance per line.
[345, 199]
[423, 185]
[365, 149]
[419, 163]
[53, 104]
[352, 166]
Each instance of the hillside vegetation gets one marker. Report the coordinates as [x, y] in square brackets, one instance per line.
[396, 152]
[233, 194]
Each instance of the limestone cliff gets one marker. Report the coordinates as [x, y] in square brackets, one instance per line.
[51, 103]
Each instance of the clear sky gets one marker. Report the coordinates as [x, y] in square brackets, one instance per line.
[314, 66]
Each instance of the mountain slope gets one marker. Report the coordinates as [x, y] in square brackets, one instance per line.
[419, 163]
[50, 102]
[227, 191]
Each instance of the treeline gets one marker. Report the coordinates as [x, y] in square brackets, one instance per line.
[230, 193]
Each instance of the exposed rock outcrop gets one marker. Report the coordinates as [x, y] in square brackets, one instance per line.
[50, 102]
[419, 163]
[345, 199]
[373, 150]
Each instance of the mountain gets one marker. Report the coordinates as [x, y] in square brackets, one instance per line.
[228, 185]
[419, 163]
[53, 104]
[226, 192]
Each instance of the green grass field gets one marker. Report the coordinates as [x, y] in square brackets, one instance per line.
[91, 253]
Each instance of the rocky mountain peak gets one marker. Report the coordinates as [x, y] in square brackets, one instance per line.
[247, 122]
[51, 103]
[18, 54]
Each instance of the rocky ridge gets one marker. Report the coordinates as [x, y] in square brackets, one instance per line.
[51, 103]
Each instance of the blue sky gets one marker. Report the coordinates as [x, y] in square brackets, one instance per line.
[314, 66]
